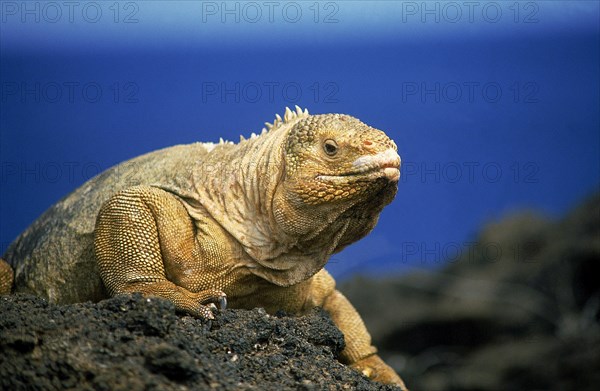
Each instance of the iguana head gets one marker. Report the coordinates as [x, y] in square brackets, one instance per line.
[339, 174]
[308, 186]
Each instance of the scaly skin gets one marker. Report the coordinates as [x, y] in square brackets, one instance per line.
[251, 223]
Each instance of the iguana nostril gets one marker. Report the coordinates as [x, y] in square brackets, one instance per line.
[368, 144]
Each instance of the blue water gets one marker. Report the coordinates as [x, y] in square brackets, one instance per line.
[487, 120]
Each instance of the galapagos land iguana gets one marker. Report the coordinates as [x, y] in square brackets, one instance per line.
[252, 224]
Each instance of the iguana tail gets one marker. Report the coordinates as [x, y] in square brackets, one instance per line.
[6, 277]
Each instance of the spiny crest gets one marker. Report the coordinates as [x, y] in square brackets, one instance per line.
[288, 116]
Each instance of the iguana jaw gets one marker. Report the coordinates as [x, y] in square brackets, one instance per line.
[382, 165]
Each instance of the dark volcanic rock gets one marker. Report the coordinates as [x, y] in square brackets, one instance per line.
[519, 311]
[134, 343]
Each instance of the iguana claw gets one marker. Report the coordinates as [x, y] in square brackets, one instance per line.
[374, 368]
[222, 303]
[208, 300]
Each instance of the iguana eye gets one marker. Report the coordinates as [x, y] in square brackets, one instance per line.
[330, 147]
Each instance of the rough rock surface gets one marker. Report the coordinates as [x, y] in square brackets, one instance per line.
[520, 310]
[133, 343]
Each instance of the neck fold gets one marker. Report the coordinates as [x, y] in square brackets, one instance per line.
[236, 185]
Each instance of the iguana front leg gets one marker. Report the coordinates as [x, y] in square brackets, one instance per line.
[358, 353]
[143, 236]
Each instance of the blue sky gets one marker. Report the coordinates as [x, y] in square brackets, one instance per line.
[155, 23]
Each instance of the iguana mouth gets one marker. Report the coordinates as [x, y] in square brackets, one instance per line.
[382, 165]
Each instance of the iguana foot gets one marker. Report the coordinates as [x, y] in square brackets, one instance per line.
[207, 300]
[196, 304]
[375, 369]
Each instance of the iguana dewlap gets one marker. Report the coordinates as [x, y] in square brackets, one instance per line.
[254, 222]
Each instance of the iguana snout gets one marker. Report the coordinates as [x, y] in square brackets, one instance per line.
[386, 164]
